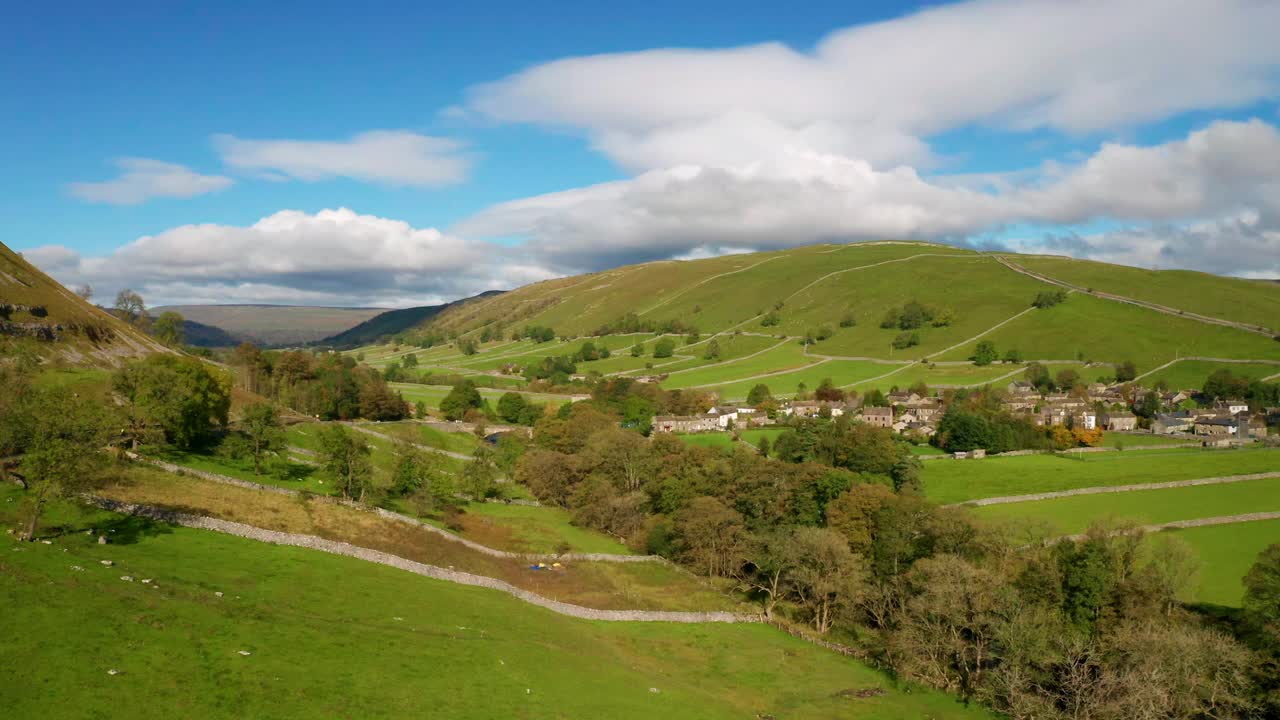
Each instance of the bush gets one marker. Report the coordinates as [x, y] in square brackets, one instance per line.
[905, 340]
[848, 320]
[664, 348]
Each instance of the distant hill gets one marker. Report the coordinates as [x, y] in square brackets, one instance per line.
[392, 322]
[63, 325]
[270, 325]
[841, 294]
[201, 335]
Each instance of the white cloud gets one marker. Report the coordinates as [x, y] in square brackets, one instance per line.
[392, 157]
[143, 179]
[1221, 171]
[876, 91]
[334, 257]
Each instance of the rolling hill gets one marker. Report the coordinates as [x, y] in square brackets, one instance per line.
[275, 325]
[391, 322]
[840, 295]
[60, 324]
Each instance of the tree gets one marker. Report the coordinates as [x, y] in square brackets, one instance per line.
[410, 360]
[345, 457]
[759, 393]
[261, 425]
[1048, 299]
[826, 578]
[713, 350]
[828, 392]
[1066, 378]
[763, 446]
[1173, 567]
[1262, 594]
[892, 318]
[480, 475]
[711, 536]
[664, 348]
[1038, 375]
[1126, 371]
[771, 560]
[130, 305]
[511, 407]
[178, 395]
[169, 328]
[85, 292]
[985, 353]
[637, 350]
[463, 397]
[467, 346]
[944, 317]
[848, 320]
[693, 337]
[1013, 356]
[62, 453]
[905, 340]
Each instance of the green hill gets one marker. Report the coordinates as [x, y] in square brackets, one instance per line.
[391, 323]
[35, 309]
[841, 295]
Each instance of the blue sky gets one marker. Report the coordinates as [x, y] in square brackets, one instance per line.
[847, 120]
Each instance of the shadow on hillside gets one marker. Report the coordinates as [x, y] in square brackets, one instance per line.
[129, 529]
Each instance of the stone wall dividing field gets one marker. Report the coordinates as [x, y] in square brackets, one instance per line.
[340, 548]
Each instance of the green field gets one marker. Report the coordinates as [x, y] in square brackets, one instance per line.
[1089, 328]
[331, 636]
[841, 372]
[956, 481]
[1226, 554]
[529, 529]
[1070, 515]
[1191, 374]
[1249, 301]
[731, 347]
[786, 356]
[459, 442]
[433, 394]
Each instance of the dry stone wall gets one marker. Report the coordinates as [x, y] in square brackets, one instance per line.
[1118, 489]
[397, 517]
[462, 578]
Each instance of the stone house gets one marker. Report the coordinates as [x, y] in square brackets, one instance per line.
[928, 410]
[878, 416]
[685, 423]
[1224, 425]
[1231, 407]
[813, 408]
[1170, 423]
[1120, 421]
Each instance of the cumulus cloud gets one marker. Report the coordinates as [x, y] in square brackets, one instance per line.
[1221, 171]
[142, 179]
[392, 157]
[334, 257]
[878, 91]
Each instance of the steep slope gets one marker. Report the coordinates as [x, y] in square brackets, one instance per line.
[274, 324]
[392, 322]
[201, 335]
[59, 324]
[841, 294]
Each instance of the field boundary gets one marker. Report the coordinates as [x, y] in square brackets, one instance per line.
[1177, 312]
[1106, 489]
[333, 547]
[397, 517]
[1185, 524]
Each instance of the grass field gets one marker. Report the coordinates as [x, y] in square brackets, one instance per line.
[1071, 515]
[433, 394]
[786, 356]
[1191, 374]
[1249, 301]
[1226, 554]
[459, 442]
[522, 528]
[957, 481]
[337, 637]
[1092, 329]
[941, 375]
[652, 586]
[841, 372]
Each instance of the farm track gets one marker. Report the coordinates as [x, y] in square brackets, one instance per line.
[1259, 330]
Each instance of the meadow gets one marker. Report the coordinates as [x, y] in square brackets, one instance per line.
[786, 356]
[842, 373]
[523, 528]
[954, 481]
[1191, 374]
[303, 634]
[1089, 328]
[1226, 553]
[1249, 301]
[1070, 515]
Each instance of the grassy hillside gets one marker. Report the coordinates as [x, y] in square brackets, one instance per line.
[391, 322]
[36, 311]
[1248, 301]
[759, 306]
[275, 324]
[330, 636]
